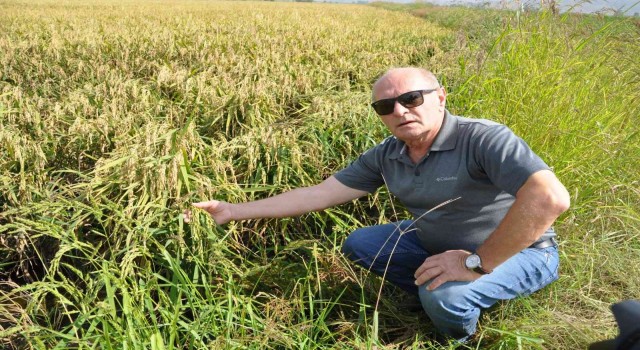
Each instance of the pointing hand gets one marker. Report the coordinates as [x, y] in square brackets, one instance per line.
[220, 211]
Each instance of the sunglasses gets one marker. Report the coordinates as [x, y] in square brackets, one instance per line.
[408, 99]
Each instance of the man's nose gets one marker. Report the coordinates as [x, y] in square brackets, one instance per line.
[399, 110]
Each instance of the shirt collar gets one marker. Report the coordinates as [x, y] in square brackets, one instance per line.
[445, 140]
[448, 134]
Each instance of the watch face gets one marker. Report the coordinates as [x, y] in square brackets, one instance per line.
[472, 261]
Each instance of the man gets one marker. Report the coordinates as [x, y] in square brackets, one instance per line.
[494, 242]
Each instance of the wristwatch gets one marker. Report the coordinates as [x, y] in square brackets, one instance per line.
[474, 263]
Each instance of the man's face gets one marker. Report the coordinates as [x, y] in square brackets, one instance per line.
[416, 124]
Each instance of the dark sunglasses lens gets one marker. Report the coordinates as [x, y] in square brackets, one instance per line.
[408, 99]
[411, 99]
[384, 107]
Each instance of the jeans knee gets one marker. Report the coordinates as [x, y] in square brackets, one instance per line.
[450, 308]
[352, 243]
[444, 298]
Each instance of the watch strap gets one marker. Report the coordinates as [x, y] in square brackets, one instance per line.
[481, 270]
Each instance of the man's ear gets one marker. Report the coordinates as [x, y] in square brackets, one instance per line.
[442, 96]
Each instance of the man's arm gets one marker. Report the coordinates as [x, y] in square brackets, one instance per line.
[296, 202]
[538, 204]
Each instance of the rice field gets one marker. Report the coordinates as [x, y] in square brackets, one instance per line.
[115, 115]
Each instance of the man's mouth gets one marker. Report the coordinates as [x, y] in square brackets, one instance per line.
[405, 123]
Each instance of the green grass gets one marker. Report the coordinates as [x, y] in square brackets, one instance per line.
[115, 115]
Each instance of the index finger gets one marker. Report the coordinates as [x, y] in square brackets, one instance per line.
[429, 274]
[201, 205]
[427, 264]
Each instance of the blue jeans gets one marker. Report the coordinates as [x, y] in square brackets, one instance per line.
[454, 307]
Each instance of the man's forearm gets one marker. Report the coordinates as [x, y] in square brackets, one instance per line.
[293, 203]
[297, 202]
[538, 204]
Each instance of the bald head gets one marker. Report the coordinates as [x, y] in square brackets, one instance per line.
[405, 73]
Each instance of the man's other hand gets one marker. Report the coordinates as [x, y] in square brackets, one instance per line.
[444, 267]
[219, 211]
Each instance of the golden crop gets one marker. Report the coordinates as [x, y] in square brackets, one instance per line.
[97, 82]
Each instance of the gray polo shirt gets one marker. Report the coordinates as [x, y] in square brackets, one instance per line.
[481, 161]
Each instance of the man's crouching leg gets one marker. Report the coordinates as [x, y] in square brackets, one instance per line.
[392, 250]
[454, 307]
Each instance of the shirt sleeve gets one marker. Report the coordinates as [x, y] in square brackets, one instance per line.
[364, 173]
[506, 159]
